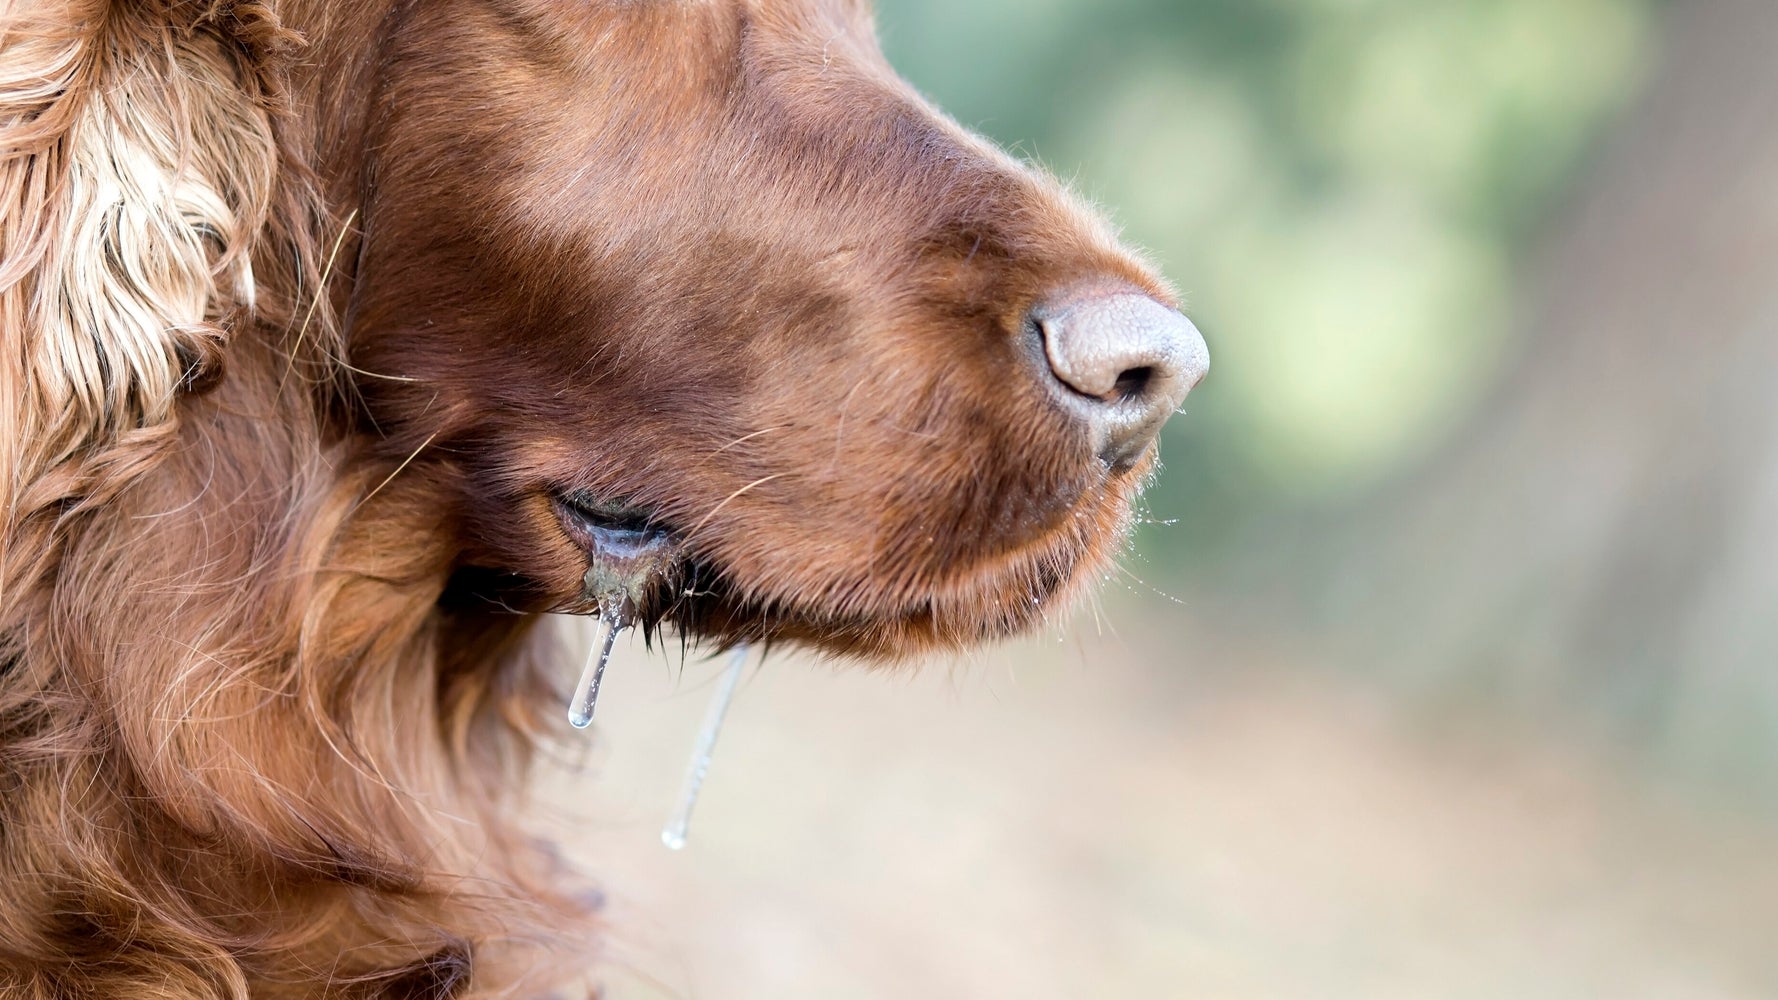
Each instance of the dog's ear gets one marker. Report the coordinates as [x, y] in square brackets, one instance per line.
[137, 164]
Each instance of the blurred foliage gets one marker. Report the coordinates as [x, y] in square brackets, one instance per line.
[1343, 190]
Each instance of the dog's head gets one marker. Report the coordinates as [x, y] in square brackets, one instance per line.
[709, 274]
[317, 311]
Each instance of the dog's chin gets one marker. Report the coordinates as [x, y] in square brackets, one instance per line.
[696, 595]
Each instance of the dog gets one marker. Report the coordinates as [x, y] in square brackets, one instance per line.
[345, 338]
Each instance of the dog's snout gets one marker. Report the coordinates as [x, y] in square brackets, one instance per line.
[1123, 362]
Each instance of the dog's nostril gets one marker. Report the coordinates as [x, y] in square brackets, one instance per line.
[1122, 362]
[1132, 383]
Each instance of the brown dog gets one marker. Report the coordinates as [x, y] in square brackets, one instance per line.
[341, 335]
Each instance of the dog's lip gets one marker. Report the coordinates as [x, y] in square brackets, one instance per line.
[585, 509]
[633, 549]
[984, 606]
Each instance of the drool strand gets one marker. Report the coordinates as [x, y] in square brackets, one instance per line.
[674, 834]
[622, 564]
[586, 693]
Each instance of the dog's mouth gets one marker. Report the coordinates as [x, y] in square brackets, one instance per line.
[638, 557]
[633, 560]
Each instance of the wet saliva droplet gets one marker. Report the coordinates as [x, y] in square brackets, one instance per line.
[622, 564]
[586, 693]
[674, 834]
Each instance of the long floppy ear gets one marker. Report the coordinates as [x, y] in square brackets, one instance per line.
[137, 169]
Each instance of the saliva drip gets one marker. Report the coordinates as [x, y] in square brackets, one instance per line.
[622, 564]
[586, 693]
[674, 834]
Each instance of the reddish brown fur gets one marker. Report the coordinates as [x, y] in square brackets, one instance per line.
[268, 674]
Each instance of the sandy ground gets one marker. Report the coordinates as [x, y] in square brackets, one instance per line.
[1141, 817]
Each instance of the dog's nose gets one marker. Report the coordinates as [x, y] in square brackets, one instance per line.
[1123, 362]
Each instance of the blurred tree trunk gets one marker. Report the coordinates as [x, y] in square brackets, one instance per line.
[1607, 534]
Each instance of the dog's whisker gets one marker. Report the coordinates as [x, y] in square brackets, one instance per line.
[725, 502]
[404, 464]
[318, 294]
[1119, 566]
[748, 437]
[376, 375]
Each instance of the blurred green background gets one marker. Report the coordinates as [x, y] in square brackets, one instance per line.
[1447, 663]
[1437, 445]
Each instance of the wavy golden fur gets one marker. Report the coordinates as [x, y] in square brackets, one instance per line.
[187, 612]
[300, 361]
